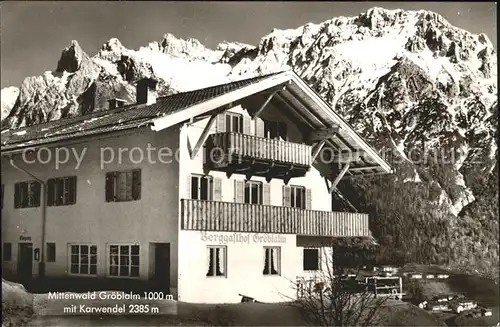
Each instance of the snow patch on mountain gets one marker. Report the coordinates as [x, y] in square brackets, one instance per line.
[9, 97]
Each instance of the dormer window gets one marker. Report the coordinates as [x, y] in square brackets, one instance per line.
[116, 103]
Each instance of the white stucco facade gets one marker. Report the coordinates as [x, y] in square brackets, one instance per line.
[245, 251]
[155, 218]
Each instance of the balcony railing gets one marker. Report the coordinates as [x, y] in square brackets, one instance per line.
[242, 217]
[235, 152]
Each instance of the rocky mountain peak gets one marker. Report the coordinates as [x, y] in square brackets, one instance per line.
[71, 58]
[189, 48]
[112, 50]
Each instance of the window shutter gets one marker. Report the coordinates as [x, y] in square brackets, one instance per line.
[259, 127]
[17, 195]
[266, 194]
[50, 192]
[287, 196]
[24, 194]
[221, 123]
[60, 191]
[246, 125]
[239, 191]
[136, 184]
[110, 186]
[72, 190]
[37, 190]
[188, 187]
[217, 191]
[308, 198]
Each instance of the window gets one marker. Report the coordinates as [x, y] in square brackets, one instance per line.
[61, 191]
[253, 192]
[234, 122]
[7, 251]
[27, 194]
[311, 259]
[124, 260]
[274, 130]
[201, 187]
[271, 261]
[298, 197]
[83, 260]
[51, 252]
[216, 261]
[123, 186]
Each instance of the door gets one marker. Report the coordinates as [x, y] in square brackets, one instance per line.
[162, 267]
[25, 261]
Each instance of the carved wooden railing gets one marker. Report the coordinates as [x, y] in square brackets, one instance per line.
[242, 217]
[251, 146]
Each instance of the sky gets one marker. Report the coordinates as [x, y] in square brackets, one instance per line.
[33, 33]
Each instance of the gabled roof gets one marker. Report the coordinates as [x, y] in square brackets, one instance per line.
[122, 118]
[297, 96]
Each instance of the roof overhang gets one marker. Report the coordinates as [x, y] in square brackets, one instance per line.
[297, 97]
[306, 105]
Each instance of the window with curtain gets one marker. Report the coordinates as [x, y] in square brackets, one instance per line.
[216, 261]
[124, 260]
[272, 260]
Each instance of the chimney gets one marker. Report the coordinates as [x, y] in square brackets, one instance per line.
[146, 91]
[116, 103]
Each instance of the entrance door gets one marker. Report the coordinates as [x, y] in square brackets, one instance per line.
[25, 261]
[162, 267]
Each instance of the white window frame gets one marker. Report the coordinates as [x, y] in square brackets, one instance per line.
[79, 259]
[223, 264]
[278, 259]
[260, 190]
[108, 260]
[304, 257]
[210, 186]
[230, 126]
[293, 190]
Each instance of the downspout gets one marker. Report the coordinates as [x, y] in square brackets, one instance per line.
[41, 264]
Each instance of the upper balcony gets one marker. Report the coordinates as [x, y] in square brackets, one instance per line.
[219, 216]
[256, 156]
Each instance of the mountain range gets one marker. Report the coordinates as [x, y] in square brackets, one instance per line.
[421, 91]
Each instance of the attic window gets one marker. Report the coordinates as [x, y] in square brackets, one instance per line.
[116, 103]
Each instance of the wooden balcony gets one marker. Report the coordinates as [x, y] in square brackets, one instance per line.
[242, 217]
[256, 156]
